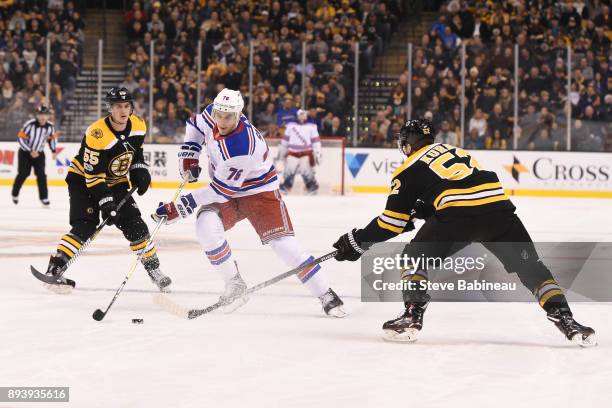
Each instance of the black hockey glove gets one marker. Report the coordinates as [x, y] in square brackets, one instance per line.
[349, 249]
[108, 207]
[422, 210]
[140, 177]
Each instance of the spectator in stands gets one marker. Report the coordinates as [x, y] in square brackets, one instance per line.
[478, 123]
[172, 126]
[542, 31]
[475, 141]
[182, 110]
[543, 141]
[384, 126]
[129, 83]
[334, 128]
[277, 31]
[287, 112]
[497, 141]
[446, 135]
[267, 120]
[499, 121]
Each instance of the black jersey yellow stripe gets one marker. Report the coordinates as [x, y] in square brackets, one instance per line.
[389, 227]
[475, 202]
[95, 183]
[468, 190]
[398, 215]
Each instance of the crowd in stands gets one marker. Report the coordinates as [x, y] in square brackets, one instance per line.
[24, 29]
[276, 29]
[489, 30]
[543, 29]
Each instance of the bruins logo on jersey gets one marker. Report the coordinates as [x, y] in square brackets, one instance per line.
[96, 133]
[120, 164]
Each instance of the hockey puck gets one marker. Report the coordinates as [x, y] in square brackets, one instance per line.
[137, 321]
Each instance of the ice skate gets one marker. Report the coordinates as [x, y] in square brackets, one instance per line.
[160, 280]
[573, 331]
[284, 188]
[45, 202]
[332, 304]
[15, 200]
[406, 327]
[235, 294]
[56, 267]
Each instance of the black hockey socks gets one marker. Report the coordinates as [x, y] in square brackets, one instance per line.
[69, 245]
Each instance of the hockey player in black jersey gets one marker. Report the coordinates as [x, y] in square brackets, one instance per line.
[461, 203]
[97, 179]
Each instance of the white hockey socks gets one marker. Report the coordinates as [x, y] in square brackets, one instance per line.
[290, 251]
[210, 232]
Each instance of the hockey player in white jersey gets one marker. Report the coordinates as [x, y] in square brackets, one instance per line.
[244, 184]
[300, 150]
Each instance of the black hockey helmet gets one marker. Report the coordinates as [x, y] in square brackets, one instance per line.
[118, 95]
[43, 109]
[416, 133]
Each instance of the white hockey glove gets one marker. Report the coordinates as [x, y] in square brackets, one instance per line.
[189, 158]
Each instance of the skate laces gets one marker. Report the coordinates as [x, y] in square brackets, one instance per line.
[155, 274]
[567, 321]
[327, 297]
[233, 288]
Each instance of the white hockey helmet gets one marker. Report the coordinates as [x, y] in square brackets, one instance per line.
[229, 100]
[302, 115]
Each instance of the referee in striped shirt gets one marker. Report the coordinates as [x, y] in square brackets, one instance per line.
[32, 137]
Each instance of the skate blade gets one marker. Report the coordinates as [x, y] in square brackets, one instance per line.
[235, 305]
[337, 312]
[407, 336]
[58, 289]
[589, 341]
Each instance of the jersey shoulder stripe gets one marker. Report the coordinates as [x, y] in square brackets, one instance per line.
[207, 116]
[252, 140]
[193, 122]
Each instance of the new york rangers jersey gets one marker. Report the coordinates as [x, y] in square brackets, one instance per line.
[239, 163]
[301, 138]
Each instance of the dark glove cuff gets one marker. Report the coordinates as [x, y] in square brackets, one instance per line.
[355, 244]
[139, 166]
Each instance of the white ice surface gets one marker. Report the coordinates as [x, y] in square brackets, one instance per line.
[279, 350]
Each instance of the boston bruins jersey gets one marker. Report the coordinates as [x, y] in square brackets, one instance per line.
[448, 180]
[106, 155]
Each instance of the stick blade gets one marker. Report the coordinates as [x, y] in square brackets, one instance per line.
[98, 315]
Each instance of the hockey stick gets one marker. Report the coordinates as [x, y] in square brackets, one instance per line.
[55, 279]
[171, 307]
[99, 314]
